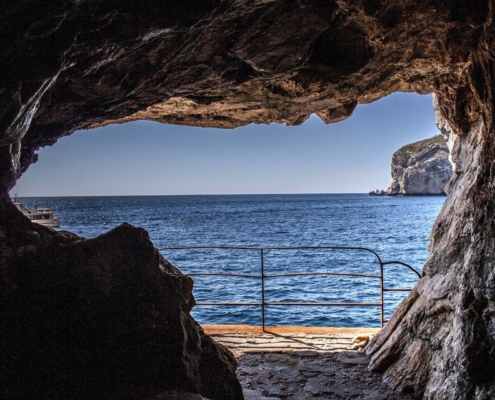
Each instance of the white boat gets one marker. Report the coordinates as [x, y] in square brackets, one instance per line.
[42, 216]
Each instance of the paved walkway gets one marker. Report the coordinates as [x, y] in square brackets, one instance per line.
[298, 363]
[245, 339]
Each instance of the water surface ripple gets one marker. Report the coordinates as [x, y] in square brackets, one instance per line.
[397, 228]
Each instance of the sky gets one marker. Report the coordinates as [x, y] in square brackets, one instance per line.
[148, 158]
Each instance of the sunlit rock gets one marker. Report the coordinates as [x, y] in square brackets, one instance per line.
[421, 168]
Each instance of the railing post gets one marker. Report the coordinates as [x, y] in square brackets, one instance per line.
[382, 317]
[262, 289]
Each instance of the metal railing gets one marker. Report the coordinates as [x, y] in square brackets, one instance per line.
[262, 276]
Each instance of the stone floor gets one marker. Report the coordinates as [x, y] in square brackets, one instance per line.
[297, 363]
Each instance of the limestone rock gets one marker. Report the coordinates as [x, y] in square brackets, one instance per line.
[103, 318]
[421, 168]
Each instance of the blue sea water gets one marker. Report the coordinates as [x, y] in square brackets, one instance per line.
[397, 228]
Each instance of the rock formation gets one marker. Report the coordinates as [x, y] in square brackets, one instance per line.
[101, 318]
[224, 63]
[421, 168]
[377, 192]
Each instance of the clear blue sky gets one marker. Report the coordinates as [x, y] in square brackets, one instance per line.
[147, 158]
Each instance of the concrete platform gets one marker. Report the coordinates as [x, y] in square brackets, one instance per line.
[244, 339]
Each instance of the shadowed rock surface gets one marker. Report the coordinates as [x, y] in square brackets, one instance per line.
[421, 168]
[302, 363]
[81, 64]
[102, 318]
[68, 66]
[302, 376]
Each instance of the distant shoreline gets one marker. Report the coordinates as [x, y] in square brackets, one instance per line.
[230, 194]
[408, 195]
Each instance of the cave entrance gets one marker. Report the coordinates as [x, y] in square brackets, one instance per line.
[249, 186]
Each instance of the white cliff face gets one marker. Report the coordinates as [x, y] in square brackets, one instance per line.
[421, 168]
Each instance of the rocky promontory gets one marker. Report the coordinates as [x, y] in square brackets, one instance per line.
[419, 169]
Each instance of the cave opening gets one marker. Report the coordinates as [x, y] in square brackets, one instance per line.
[294, 171]
[69, 66]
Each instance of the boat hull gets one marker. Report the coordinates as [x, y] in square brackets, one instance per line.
[54, 223]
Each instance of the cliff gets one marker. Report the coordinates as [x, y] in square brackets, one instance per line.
[421, 168]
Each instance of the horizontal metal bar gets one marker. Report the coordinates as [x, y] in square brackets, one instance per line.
[274, 248]
[322, 273]
[404, 264]
[294, 248]
[286, 303]
[319, 247]
[223, 274]
[226, 303]
[282, 275]
[397, 289]
[211, 247]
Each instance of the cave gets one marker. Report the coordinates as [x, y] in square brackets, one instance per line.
[224, 63]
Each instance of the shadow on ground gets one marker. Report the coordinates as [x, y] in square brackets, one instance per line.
[311, 375]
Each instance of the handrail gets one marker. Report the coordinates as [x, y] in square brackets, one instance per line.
[273, 248]
[264, 276]
[404, 264]
[280, 275]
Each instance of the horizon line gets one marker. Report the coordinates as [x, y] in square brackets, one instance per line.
[195, 194]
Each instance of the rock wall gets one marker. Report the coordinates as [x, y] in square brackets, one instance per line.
[223, 63]
[421, 168]
[440, 342]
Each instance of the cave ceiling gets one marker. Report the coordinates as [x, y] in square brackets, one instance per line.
[83, 64]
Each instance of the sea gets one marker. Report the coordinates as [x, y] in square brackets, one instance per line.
[395, 228]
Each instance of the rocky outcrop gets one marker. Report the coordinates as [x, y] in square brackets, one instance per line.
[76, 65]
[421, 168]
[439, 342]
[101, 318]
[377, 192]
